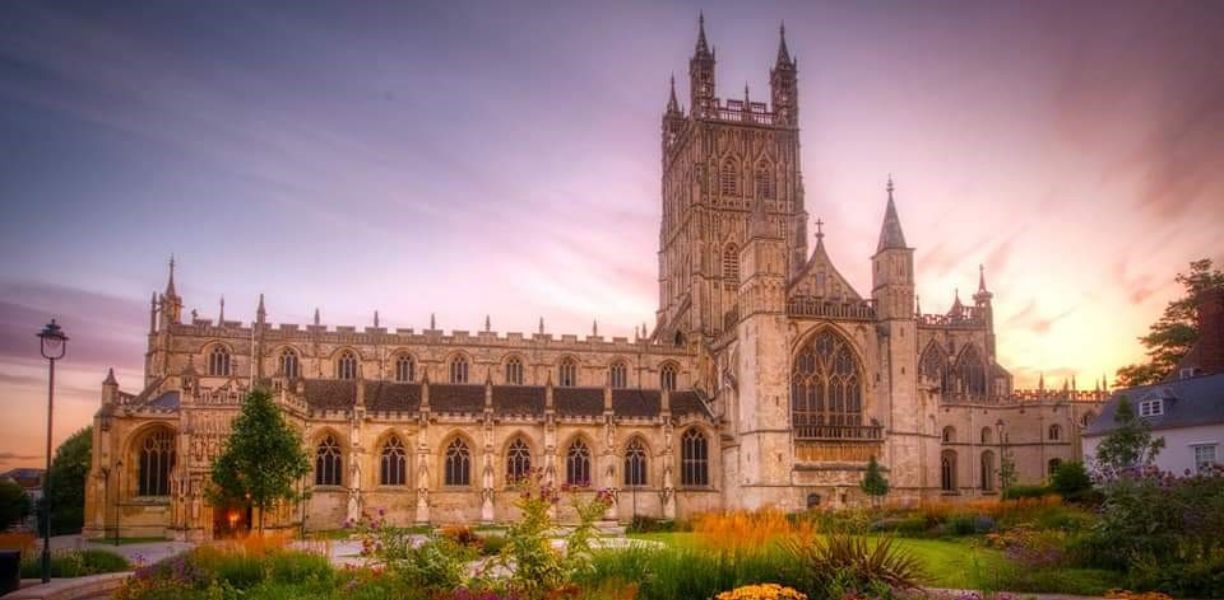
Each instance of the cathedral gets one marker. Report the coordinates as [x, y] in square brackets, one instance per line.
[766, 380]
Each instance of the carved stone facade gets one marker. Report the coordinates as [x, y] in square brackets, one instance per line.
[767, 379]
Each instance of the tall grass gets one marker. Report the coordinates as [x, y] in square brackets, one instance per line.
[749, 531]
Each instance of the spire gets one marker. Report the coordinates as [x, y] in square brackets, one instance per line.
[783, 53]
[170, 291]
[110, 377]
[957, 307]
[221, 317]
[433, 322]
[488, 323]
[541, 325]
[1041, 381]
[595, 328]
[673, 106]
[702, 46]
[891, 237]
[917, 304]
[316, 316]
[376, 318]
[981, 278]
[261, 314]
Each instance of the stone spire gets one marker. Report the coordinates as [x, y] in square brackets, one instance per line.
[261, 314]
[376, 318]
[703, 48]
[891, 236]
[221, 317]
[541, 325]
[784, 58]
[595, 328]
[983, 295]
[110, 377]
[316, 317]
[170, 291]
[488, 323]
[673, 106]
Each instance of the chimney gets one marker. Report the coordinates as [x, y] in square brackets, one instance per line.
[1211, 330]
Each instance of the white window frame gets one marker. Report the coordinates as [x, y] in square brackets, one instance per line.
[1201, 467]
[1151, 408]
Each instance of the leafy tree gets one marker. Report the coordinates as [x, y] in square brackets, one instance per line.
[1071, 480]
[1130, 444]
[874, 484]
[1171, 337]
[14, 504]
[262, 459]
[66, 483]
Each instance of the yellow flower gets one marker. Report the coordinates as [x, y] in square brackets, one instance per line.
[762, 591]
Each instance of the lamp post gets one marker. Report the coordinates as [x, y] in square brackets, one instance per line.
[52, 344]
[118, 497]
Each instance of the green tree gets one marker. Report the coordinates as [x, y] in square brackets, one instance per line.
[874, 484]
[1171, 337]
[1130, 444]
[66, 483]
[14, 504]
[1071, 480]
[262, 459]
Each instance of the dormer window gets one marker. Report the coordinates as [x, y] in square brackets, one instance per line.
[1186, 373]
[1151, 408]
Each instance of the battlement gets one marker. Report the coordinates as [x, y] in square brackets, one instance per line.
[970, 318]
[809, 306]
[1047, 395]
[737, 111]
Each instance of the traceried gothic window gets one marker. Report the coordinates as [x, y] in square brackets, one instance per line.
[289, 364]
[730, 261]
[971, 372]
[826, 384]
[934, 368]
[518, 460]
[694, 459]
[947, 471]
[618, 375]
[765, 182]
[346, 366]
[635, 463]
[514, 371]
[219, 361]
[393, 464]
[155, 461]
[1055, 433]
[328, 466]
[728, 178]
[567, 373]
[459, 370]
[667, 377]
[578, 464]
[405, 368]
[988, 471]
[458, 467]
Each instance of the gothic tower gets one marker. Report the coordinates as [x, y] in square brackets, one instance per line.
[719, 160]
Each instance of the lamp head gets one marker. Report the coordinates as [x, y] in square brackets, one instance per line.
[52, 341]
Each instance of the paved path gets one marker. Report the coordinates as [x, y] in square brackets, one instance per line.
[138, 554]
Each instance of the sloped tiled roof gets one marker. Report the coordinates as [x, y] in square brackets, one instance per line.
[518, 400]
[687, 403]
[1187, 403]
[636, 403]
[388, 396]
[578, 401]
[166, 401]
[457, 397]
[330, 394]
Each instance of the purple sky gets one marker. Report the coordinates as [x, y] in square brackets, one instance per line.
[469, 159]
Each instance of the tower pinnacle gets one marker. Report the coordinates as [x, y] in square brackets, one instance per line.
[891, 236]
[702, 47]
[170, 291]
[673, 106]
[783, 53]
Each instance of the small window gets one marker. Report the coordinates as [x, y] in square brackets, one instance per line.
[405, 368]
[514, 371]
[1204, 458]
[458, 469]
[635, 464]
[667, 377]
[346, 367]
[518, 461]
[949, 434]
[618, 375]
[1055, 433]
[289, 364]
[731, 264]
[327, 462]
[219, 361]
[578, 464]
[728, 178]
[459, 370]
[1151, 408]
[694, 459]
[987, 435]
[1186, 373]
[567, 375]
[393, 465]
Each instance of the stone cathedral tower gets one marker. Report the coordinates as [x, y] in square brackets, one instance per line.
[720, 160]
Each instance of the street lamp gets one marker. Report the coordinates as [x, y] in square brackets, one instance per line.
[52, 344]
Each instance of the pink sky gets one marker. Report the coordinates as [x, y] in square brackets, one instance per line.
[470, 160]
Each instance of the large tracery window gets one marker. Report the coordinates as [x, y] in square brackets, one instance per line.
[971, 372]
[635, 464]
[514, 371]
[459, 370]
[518, 461]
[155, 462]
[289, 364]
[618, 375]
[578, 464]
[328, 468]
[346, 366]
[765, 182]
[730, 260]
[393, 465]
[405, 368]
[458, 468]
[567, 373]
[728, 178]
[934, 368]
[826, 385]
[219, 361]
[694, 459]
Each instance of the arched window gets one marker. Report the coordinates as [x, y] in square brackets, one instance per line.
[514, 371]
[1054, 464]
[635, 463]
[618, 375]
[728, 178]
[730, 260]
[405, 368]
[393, 466]
[947, 471]
[328, 469]
[1055, 434]
[1087, 418]
[155, 462]
[518, 461]
[826, 386]
[987, 436]
[219, 361]
[289, 364]
[988, 471]
[459, 370]
[934, 368]
[578, 464]
[567, 373]
[667, 377]
[694, 459]
[765, 182]
[346, 366]
[949, 434]
[971, 372]
[458, 469]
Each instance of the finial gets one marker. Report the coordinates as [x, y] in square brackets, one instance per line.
[595, 328]
[376, 318]
[316, 316]
[261, 314]
[1041, 381]
[170, 282]
[819, 230]
[433, 322]
[673, 105]
[541, 325]
[783, 53]
[488, 323]
[221, 318]
[110, 377]
[917, 304]
[890, 187]
[981, 278]
[745, 95]
[702, 46]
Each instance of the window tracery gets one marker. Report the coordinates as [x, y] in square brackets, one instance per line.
[393, 463]
[458, 467]
[328, 469]
[826, 383]
[156, 459]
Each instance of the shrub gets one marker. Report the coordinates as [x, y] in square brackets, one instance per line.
[668, 573]
[74, 563]
[1015, 492]
[1029, 547]
[1071, 481]
[463, 536]
[905, 527]
[841, 564]
[492, 544]
[643, 524]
